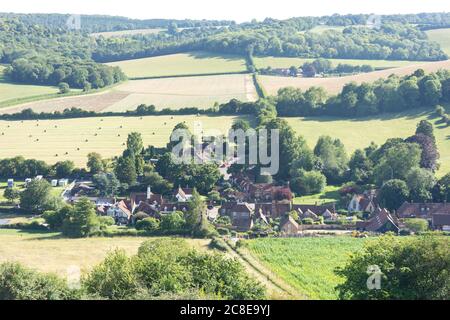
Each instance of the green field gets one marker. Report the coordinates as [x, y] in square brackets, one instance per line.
[49, 252]
[58, 140]
[441, 36]
[12, 91]
[192, 63]
[111, 34]
[283, 62]
[329, 195]
[307, 264]
[359, 133]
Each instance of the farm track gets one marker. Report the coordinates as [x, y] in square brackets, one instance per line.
[277, 288]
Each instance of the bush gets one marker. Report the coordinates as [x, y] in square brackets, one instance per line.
[416, 225]
[140, 216]
[63, 88]
[410, 269]
[148, 224]
[224, 220]
[308, 221]
[219, 244]
[19, 283]
[223, 231]
[106, 221]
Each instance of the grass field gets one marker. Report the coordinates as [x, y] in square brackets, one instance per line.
[358, 133]
[334, 85]
[29, 139]
[307, 264]
[181, 64]
[286, 62]
[329, 195]
[49, 252]
[441, 36]
[13, 91]
[175, 93]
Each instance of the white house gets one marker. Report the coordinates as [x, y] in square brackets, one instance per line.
[183, 194]
[120, 212]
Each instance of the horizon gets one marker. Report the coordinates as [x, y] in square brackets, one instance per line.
[232, 10]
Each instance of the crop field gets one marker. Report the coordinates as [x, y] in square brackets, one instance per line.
[330, 194]
[286, 62]
[73, 139]
[111, 34]
[359, 133]
[334, 85]
[48, 252]
[441, 36]
[307, 264]
[175, 93]
[192, 63]
[12, 91]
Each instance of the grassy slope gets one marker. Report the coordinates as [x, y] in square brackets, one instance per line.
[307, 264]
[441, 36]
[181, 64]
[50, 253]
[330, 194]
[285, 62]
[121, 33]
[358, 133]
[71, 134]
[13, 91]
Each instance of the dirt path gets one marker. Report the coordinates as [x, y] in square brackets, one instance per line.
[276, 288]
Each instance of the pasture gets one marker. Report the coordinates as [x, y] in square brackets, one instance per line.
[175, 93]
[441, 36]
[307, 264]
[334, 85]
[49, 252]
[359, 133]
[10, 92]
[286, 62]
[192, 63]
[74, 139]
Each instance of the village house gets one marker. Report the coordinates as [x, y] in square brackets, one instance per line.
[261, 192]
[381, 221]
[121, 212]
[366, 202]
[437, 214]
[289, 226]
[183, 194]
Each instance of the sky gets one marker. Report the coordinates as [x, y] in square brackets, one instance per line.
[238, 10]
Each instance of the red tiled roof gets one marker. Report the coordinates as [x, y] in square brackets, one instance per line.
[408, 210]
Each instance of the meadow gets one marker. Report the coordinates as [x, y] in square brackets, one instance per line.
[49, 252]
[287, 62]
[359, 133]
[441, 36]
[111, 34]
[191, 63]
[334, 85]
[73, 139]
[307, 264]
[175, 93]
[10, 92]
[329, 195]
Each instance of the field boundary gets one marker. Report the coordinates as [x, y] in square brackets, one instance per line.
[277, 284]
[189, 75]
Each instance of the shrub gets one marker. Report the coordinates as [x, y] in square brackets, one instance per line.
[308, 221]
[416, 225]
[63, 88]
[224, 220]
[106, 221]
[223, 231]
[148, 224]
[219, 244]
[140, 216]
[440, 111]
[19, 283]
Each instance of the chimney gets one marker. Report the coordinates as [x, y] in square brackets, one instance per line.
[149, 192]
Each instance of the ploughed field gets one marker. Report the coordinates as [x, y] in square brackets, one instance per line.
[191, 63]
[175, 93]
[334, 85]
[74, 139]
[359, 133]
